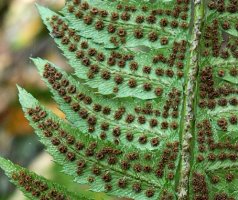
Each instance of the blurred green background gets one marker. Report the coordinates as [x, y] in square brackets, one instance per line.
[22, 35]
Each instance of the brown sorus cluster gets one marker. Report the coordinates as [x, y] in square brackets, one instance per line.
[214, 44]
[38, 188]
[206, 143]
[222, 196]
[221, 6]
[168, 158]
[167, 195]
[210, 96]
[171, 107]
[176, 58]
[199, 186]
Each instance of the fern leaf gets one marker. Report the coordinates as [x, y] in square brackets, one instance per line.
[119, 171]
[120, 72]
[124, 121]
[34, 186]
[128, 24]
[152, 111]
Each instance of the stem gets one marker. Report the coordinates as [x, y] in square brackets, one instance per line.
[189, 101]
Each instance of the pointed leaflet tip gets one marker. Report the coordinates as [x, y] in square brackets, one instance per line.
[6, 165]
[44, 12]
[26, 99]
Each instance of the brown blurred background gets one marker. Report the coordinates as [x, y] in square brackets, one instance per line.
[22, 35]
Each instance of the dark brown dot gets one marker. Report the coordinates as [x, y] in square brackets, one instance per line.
[80, 54]
[130, 118]
[147, 87]
[83, 113]
[164, 41]
[105, 75]
[114, 16]
[129, 136]
[133, 66]
[158, 91]
[170, 175]
[136, 187]
[154, 142]
[159, 72]
[174, 24]
[105, 126]
[164, 125]
[229, 177]
[233, 119]
[111, 28]
[226, 25]
[142, 139]
[88, 19]
[63, 133]
[153, 36]
[140, 19]
[55, 141]
[174, 125]
[118, 79]
[79, 146]
[87, 100]
[146, 69]
[99, 25]
[106, 110]
[100, 57]
[103, 13]
[215, 179]
[70, 139]
[121, 63]
[125, 16]
[96, 170]
[108, 187]
[84, 6]
[84, 45]
[150, 192]
[112, 160]
[137, 168]
[153, 123]
[70, 156]
[103, 135]
[116, 132]
[132, 83]
[138, 33]
[62, 149]
[163, 22]
[122, 183]
[151, 19]
[106, 177]
[125, 165]
[67, 99]
[121, 32]
[141, 119]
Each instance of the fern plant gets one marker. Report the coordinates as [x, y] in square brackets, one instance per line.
[151, 110]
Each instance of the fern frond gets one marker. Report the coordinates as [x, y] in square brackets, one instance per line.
[151, 112]
[122, 121]
[120, 72]
[140, 22]
[34, 186]
[116, 170]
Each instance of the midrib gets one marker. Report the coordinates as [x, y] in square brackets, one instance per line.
[189, 103]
